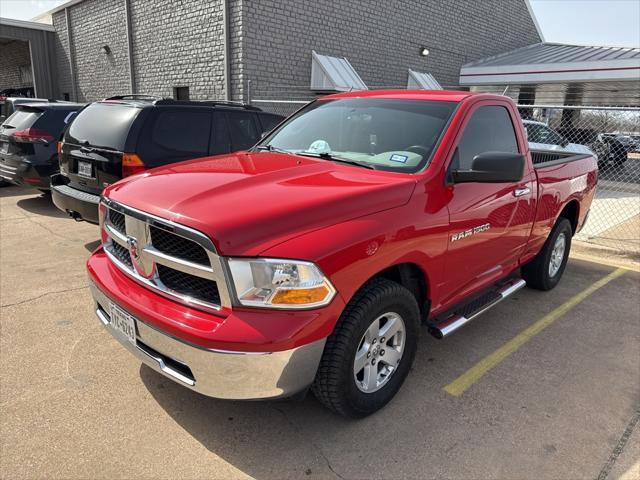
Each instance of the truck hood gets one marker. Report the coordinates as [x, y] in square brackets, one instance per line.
[248, 202]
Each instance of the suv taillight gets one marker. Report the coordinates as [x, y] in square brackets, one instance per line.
[33, 135]
[131, 164]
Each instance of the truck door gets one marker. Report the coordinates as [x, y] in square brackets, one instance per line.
[490, 223]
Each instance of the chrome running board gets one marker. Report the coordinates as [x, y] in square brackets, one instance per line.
[474, 309]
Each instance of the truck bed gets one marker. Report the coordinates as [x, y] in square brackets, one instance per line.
[564, 179]
[546, 158]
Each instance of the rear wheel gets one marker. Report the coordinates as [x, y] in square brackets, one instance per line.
[370, 352]
[544, 271]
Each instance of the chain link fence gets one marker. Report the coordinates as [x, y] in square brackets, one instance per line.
[557, 118]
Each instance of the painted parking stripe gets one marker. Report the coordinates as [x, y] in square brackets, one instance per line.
[464, 381]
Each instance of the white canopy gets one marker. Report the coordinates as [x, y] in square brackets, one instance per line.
[422, 81]
[334, 74]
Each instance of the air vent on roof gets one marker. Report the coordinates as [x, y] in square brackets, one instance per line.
[334, 74]
[422, 81]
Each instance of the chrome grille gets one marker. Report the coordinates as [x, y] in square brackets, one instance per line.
[189, 285]
[172, 259]
[117, 220]
[122, 254]
[175, 245]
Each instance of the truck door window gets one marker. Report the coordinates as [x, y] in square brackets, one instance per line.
[489, 130]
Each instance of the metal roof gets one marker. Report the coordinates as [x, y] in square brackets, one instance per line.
[334, 74]
[10, 22]
[554, 63]
[420, 80]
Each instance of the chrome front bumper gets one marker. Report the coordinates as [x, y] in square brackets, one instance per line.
[219, 373]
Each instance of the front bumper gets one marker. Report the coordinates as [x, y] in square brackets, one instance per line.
[78, 204]
[218, 373]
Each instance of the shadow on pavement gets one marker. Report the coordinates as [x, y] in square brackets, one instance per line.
[41, 205]
[91, 246]
[15, 191]
[233, 430]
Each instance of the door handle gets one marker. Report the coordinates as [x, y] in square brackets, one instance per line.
[518, 192]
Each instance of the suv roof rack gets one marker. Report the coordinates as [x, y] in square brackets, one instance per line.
[135, 96]
[156, 100]
[207, 103]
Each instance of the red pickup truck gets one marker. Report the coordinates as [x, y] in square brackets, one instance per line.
[312, 259]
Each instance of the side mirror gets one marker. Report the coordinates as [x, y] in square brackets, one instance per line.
[492, 167]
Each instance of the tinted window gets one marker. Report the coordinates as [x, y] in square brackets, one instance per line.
[390, 134]
[183, 131]
[244, 133]
[489, 130]
[269, 121]
[23, 118]
[103, 125]
[174, 134]
[220, 141]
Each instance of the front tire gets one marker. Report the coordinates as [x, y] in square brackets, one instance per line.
[545, 271]
[370, 352]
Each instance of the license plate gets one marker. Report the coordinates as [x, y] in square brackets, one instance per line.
[123, 323]
[85, 170]
[4, 147]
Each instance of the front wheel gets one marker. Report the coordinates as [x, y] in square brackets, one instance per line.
[370, 352]
[544, 271]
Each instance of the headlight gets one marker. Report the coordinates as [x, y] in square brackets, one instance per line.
[274, 283]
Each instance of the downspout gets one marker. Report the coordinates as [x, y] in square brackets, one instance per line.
[227, 49]
[132, 74]
[72, 58]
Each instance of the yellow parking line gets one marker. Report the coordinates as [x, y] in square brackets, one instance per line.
[464, 381]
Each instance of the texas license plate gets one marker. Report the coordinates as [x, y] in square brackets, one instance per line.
[123, 323]
[85, 170]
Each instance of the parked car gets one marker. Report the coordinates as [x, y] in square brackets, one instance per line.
[8, 105]
[613, 148]
[29, 142]
[120, 136]
[311, 259]
[543, 137]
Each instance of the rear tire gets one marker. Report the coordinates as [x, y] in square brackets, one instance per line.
[379, 325]
[546, 269]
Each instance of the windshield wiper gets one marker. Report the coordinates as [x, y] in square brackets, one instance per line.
[333, 158]
[271, 148]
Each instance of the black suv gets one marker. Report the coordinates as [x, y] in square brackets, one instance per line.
[124, 135]
[29, 140]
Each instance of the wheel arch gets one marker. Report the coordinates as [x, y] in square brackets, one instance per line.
[411, 276]
[571, 211]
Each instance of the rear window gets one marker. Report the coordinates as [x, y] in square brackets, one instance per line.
[103, 125]
[23, 118]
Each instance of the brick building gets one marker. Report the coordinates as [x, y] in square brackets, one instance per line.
[224, 48]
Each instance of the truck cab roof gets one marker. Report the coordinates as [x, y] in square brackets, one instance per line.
[434, 95]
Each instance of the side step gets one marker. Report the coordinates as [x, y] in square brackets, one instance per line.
[477, 307]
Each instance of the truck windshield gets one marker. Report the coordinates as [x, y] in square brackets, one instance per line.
[386, 134]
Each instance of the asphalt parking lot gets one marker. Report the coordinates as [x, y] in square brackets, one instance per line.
[545, 386]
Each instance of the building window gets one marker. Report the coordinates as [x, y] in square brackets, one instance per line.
[181, 93]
